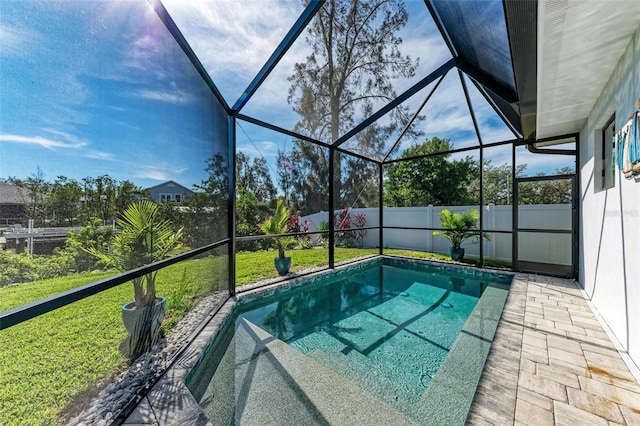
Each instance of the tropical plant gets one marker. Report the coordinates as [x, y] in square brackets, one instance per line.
[459, 226]
[342, 221]
[277, 225]
[360, 221]
[323, 239]
[296, 225]
[143, 238]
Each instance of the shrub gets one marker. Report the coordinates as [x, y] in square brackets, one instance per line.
[323, 240]
[144, 238]
[57, 265]
[16, 268]
[243, 230]
[360, 221]
[92, 236]
[342, 221]
[459, 226]
[302, 241]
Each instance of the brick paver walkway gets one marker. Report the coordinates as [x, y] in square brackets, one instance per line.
[552, 363]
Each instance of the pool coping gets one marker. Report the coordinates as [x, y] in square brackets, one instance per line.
[170, 402]
[448, 398]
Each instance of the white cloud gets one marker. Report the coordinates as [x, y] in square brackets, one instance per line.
[98, 155]
[490, 134]
[64, 141]
[268, 146]
[432, 53]
[11, 42]
[17, 41]
[38, 140]
[260, 149]
[233, 39]
[159, 172]
[175, 97]
[149, 172]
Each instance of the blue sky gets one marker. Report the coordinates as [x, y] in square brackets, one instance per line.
[96, 89]
[92, 88]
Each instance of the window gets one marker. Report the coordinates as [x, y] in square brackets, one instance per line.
[178, 198]
[165, 197]
[604, 156]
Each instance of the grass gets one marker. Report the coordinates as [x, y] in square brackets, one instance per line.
[255, 266]
[49, 360]
[46, 361]
[14, 296]
[445, 258]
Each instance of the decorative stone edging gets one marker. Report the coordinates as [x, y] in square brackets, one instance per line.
[136, 380]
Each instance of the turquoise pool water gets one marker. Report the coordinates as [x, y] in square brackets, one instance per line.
[384, 330]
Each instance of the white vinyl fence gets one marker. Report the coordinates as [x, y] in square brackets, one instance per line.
[539, 247]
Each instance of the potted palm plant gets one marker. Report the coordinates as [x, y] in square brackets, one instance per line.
[277, 225]
[143, 238]
[457, 228]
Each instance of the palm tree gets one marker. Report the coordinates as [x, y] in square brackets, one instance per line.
[143, 238]
[457, 228]
[276, 225]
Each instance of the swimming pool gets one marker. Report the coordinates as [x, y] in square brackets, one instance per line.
[390, 341]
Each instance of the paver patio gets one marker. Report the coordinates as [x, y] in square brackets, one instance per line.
[551, 362]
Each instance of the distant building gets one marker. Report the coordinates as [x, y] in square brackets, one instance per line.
[13, 203]
[170, 191]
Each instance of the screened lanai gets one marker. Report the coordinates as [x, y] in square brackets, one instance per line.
[340, 125]
[366, 119]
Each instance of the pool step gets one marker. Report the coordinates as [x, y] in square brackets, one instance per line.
[276, 384]
[358, 369]
[365, 372]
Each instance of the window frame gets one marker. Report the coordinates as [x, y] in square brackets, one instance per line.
[604, 156]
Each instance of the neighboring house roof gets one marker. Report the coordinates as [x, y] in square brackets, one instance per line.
[184, 189]
[12, 194]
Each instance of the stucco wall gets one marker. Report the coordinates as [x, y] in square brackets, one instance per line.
[610, 226]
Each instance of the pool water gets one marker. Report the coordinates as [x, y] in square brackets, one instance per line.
[383, 329]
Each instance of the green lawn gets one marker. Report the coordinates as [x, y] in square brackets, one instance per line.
[255, 266]
[46, 361]
[49, 360]
[445, 257]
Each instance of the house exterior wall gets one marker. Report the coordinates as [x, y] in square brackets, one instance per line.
[610, 225]
[168, 191]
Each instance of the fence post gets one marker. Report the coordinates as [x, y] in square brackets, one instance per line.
[30, 240]
[430, 225]
[491, 214]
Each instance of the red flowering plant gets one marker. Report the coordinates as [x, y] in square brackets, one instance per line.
[293, 223]
[342, 221]
[303, 241]
[360, 221]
